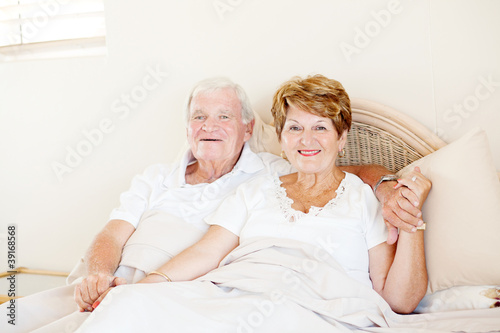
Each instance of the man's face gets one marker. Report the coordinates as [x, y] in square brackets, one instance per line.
[215, 130]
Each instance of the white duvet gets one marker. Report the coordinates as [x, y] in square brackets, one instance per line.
[270, 285]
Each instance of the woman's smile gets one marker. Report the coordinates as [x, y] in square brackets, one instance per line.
[309, 152]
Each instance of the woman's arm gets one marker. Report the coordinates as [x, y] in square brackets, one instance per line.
[398, 272]
[198, 259]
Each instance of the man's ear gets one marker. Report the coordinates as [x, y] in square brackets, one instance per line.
[249, 130]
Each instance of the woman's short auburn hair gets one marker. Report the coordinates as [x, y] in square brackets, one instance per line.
[316, 94]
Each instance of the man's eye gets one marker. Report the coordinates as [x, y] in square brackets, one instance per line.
[198, 117]
[224, 117]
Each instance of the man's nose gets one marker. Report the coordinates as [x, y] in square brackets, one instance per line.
[209, 125]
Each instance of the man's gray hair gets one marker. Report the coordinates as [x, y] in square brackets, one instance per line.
[213, 84]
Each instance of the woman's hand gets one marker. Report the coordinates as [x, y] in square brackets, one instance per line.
[402, 203]
[418, 186]
[89, 293]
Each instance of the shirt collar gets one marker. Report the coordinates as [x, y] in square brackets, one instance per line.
[249, 162]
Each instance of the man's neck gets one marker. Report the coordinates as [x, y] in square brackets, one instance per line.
[209, 171]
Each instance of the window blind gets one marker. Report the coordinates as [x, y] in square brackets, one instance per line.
[35, 26]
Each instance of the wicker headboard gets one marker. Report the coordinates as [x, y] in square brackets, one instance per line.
[382, 135]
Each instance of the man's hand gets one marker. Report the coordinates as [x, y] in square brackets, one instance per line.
[90, 292]
[402, 203]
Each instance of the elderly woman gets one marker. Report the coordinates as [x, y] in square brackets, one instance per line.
[312, 253]
[163, 211]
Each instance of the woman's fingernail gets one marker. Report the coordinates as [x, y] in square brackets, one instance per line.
[420, 223]
[96, 304]
[414, 229]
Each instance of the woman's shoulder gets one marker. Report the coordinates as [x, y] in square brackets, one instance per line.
[352, 179]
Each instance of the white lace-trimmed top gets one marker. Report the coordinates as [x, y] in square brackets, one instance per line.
[293, 215]
[346, 227]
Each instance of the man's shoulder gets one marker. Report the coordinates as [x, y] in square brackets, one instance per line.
[275, 164]
[268, 157]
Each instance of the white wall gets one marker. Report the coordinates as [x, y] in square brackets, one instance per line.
[429, 59]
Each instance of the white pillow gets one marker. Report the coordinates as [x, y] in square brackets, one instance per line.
[462, 211]
[458, 298]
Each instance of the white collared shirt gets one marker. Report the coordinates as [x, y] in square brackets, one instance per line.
[163, 188]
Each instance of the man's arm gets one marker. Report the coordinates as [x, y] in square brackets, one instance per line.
[195, 261]
[399, 203]
[102, 260]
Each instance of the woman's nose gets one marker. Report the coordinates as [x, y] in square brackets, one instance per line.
[307, 137]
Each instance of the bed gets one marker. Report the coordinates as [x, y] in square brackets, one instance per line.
[462, 212]
[463, 266]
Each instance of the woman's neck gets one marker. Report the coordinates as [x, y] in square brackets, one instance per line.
[308, 190]
[313, 182]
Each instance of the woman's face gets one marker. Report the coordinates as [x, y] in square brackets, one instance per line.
[311, 143]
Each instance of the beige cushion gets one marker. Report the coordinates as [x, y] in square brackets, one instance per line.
[264, 138]
[462, 211]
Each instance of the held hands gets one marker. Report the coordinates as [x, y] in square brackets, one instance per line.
[90, 292]
[402, 203]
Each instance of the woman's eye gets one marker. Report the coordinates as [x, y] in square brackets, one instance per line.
[321, 128]
[294, 128]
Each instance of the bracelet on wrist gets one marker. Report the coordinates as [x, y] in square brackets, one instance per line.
[165, 276]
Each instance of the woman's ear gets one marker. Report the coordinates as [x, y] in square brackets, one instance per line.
[342, 140]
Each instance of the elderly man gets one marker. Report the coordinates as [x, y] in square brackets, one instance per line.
[163, 212]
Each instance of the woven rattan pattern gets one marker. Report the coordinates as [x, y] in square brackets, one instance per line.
[370, 145]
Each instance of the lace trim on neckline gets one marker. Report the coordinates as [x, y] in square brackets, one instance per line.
[293, 215]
